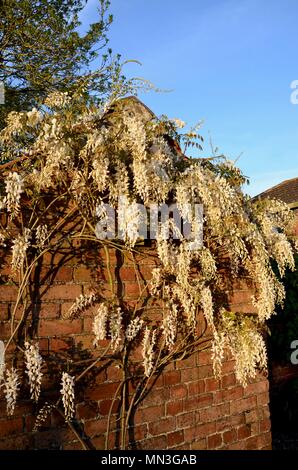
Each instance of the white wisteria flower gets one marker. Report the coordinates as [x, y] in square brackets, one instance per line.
[149, 341]
[14, 185]
[41, 235]
[19, 249]
[169, 325]
[11, 388]
[80, 304]
[99, 325]
[116, 328]
[134, 328]
[33, 369]
[68, 395]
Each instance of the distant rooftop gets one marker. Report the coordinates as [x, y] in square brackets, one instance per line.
[287, 191]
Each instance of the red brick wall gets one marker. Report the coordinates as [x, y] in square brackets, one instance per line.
[296, 225]
[187, 408]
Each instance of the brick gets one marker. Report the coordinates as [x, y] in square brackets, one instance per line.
[256, 388]
[196, 403]
[85, 342]
[229, 422]
[212, 385]
[30, 422]
[214, 413]
[105, 407]
[61, 292]
[11, 426]
[43, 345]
[251, 443]
[218, 397]
[8, 293]
[263, 398]
[240, 297]
[203, 358]
[228, 380]
[102, 391]
[214, 441]
[4, 311]
[187, 362]
[178, 391]
[190, 374]
[175, 438]
[172, 377]
[60, 327]
[157, 396]
[156, 443]
[82, 274]
[128, 273]
[87, 410]
[99, 442]
[173, 408]
[199, 431]
[229, 436]
[244, 404]
[95, 427]
[255, 428]
[251, 416]
[265, 425]
[156, 382]
[114, 374]
[185, 420]
[244, 431]
[64, 274]
[5, 330]
[46, 311]
[239, 445]
[228, 367]
[232, 394]
[23, 441]
[59, 344]
[196, 388]
[162, 426]
[139, 432]
[150, 414]
[200, 444]
[264, 440]
[205, 371]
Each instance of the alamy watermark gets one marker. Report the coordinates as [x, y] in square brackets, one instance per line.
[133, 221]
[2, 93]
[294, 355]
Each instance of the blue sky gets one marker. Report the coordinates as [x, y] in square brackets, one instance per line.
[227, 62]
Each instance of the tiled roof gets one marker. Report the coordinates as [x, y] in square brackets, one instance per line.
[287, 191]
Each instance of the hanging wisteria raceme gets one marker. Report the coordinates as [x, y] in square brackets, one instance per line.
[68, 395]
[149, 341]
[19, 249]
[41, 236]
[134, 328]
[116, 328]
[33, 369]
[11, 389]
[99, 326]
[81, 303]
[169, 325]
[14, 185]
